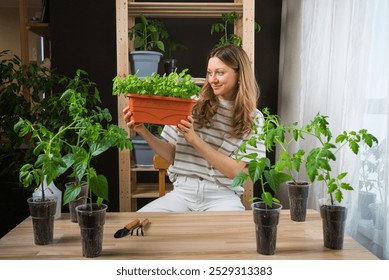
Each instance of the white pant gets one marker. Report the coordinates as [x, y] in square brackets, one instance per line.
[196, 194]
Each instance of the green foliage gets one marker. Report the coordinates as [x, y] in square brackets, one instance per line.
[274, 133]
[148, 34]
[172, 46]
[318, 160]
[173, 85]
[261, 170]
[21, 90]
[74, 143]
[229, 38]
[318, 163]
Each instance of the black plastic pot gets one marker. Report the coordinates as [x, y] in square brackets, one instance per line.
[298, 196]
[42, 214]
[79, 200]
[170, 65]
[266, 221]
[91, 221]
[334, 220]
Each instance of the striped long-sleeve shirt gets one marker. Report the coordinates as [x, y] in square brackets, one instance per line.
[189, 163]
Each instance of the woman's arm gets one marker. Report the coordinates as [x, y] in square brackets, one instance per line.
[165, 149]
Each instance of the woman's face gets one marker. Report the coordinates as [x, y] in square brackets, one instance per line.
[222, 78]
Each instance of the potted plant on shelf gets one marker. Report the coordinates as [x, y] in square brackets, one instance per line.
[318, 167]
[94, 136]
[266, 211]
[148, 35]
[157, 99]
[227, 37]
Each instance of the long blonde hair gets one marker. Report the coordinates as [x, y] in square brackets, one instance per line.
[245, 97]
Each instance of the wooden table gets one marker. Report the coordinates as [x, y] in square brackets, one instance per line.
[192, 235]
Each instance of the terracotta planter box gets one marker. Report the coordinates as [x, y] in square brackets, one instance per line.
[159, 109]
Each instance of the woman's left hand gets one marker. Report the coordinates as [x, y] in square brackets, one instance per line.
[186, 128]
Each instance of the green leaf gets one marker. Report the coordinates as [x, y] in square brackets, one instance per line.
[267, 198]
[332, 187]
[354, 146]
[239, 179]
[341, 137]
[71, 192]
[160, 45]
[274, 179]
[346, 186]
[341, 175]
[101, 146]
[99, 186]
[256, 169]
[339, 196]
[67, 161]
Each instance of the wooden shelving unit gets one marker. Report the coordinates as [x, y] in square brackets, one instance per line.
[126, 11]
[41, 29]
[38, 28]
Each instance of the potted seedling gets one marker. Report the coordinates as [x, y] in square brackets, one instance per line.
[148, 36]
[318, 167]
[228, 37]
[157, 99]
[266, 211]
[95, 135]
[282, 136]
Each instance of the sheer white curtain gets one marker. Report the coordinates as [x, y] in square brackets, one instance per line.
[335, 60]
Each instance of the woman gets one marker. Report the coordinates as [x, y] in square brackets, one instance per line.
[202, 149]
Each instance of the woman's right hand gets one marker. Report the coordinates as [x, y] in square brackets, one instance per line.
[137, 127]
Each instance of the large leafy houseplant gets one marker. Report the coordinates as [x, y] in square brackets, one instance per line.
[21, 90]
[56, 152]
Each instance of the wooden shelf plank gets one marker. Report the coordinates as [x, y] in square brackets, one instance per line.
[41, 29]
[149, 190]
[143, 168]
[183, 9]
